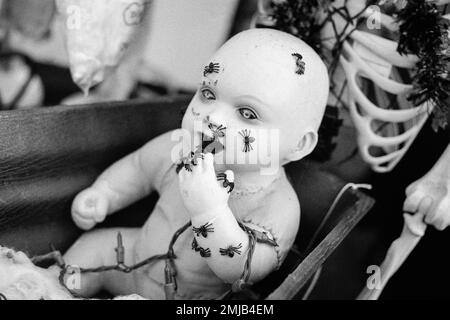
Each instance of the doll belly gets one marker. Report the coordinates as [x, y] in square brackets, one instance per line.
[195, 279]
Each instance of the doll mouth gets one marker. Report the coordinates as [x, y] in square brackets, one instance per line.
[211, 144]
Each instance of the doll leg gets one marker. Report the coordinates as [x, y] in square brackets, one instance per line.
[97, 248]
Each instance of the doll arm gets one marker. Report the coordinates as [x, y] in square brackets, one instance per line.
[125, 182]
[218, 238]
[430, 195]
[226, 248]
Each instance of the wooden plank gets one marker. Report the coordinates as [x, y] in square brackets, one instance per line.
[300, 276]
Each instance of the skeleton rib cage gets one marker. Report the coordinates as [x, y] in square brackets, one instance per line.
[372, 80]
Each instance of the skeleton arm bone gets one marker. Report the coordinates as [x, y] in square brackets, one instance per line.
[428, 198]
[413, 230]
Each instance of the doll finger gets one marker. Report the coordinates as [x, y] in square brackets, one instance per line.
[199, 166]
[209, 161]
[182, 175]
[84, 224]
[230, 175]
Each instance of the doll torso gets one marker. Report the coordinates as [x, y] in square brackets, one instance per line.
[195, 279]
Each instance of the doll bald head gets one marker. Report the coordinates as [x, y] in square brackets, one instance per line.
[284, 75]
[261, 81]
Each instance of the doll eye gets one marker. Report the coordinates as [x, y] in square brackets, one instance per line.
[248, 114]
[208, 94]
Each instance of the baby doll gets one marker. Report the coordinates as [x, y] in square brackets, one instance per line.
[263, 87]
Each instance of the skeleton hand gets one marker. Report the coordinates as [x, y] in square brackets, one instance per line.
[89, 208]
[200, 190]
[430, 194]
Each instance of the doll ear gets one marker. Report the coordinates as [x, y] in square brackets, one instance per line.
[304, 147]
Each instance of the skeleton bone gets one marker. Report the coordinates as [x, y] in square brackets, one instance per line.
[364, 117]
[361, 56]
[429, 198]
[413, 230]
[365, 113]
[430, 195]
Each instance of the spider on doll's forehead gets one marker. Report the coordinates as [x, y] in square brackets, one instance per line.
[212, 67]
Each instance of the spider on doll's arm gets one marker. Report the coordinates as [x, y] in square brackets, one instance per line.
[231, 250]
[203, 230]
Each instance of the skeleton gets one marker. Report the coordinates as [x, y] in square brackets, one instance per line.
[389, 124]
[356, 60]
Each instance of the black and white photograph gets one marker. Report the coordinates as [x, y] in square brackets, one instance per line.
[241, 152]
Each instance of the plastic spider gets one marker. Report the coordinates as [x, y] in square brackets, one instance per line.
[248, 140]
[194, 244]
[226, 183]
[188, 162]
[300, 64]
[211, 145]
[211, 68]
[231, 250]
[204, 253]
[218, 131]
[203, 230]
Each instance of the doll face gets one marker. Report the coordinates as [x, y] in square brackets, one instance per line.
[258, 99]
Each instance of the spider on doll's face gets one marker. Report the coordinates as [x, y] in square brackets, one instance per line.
[217, 131]
[248, 140]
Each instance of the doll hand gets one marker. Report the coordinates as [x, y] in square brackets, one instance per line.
[430, 197]
[89, 208]
[200, 190]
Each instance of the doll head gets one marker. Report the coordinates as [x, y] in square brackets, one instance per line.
[262, 96]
